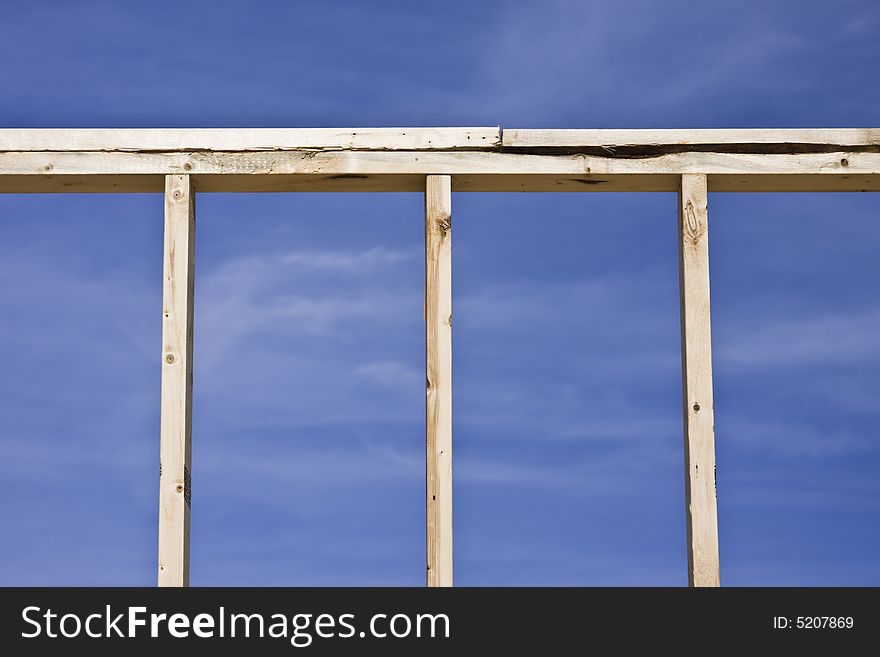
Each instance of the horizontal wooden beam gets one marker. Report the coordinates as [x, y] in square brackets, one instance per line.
[748, 140]
[354, 163]
[389, 171]
[246, 139]
[633, 142]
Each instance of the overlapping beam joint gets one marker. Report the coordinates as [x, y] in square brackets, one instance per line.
[437, 162]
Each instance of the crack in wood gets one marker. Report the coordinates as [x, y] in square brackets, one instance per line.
[643, 151]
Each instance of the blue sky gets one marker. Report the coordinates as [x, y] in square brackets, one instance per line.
[309, 403]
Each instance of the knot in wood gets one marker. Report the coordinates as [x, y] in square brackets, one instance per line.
[692, 226]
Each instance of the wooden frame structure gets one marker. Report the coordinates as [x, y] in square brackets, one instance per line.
[437, 161]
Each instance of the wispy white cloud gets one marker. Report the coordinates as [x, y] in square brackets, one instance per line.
[392, 373]
[790, 437]
[836, 338]
[270, 267]
[249, 297]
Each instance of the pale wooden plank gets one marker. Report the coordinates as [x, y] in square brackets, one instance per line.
[422, 138]
[245, 139]
[741, 138]
[404, 171]
[696, 358]
[365, 163]
[438, 339]
[176, 411]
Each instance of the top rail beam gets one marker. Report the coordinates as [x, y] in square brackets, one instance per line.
[247, 139]
[398, 159]
[654, 142]
[608, 142]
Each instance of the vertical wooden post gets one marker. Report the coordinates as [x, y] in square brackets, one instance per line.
[177, 349]
[438, 369]
[696, 360]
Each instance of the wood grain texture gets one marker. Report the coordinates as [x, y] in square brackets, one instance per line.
[405, 170]
[355, 163]
[753, 140]
[176, 410]
[438, 369]
[742, 140]
[696, 359]
[245, 139]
